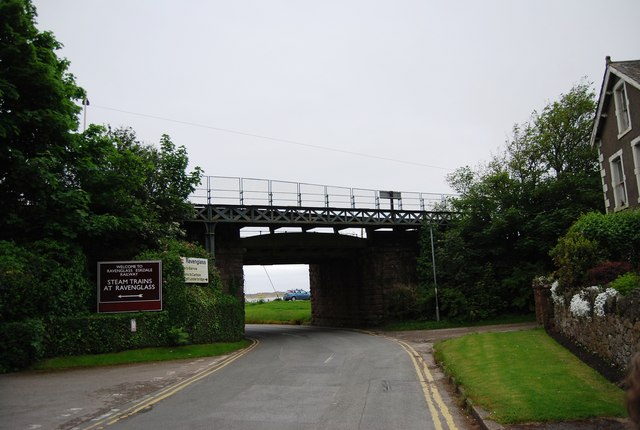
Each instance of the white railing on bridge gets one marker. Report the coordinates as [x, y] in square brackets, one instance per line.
[225, 190]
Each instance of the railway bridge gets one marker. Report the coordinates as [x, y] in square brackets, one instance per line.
[360, 244]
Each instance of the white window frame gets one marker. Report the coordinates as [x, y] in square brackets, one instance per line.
[603, 175]
[635, 150]
[618, 181]
[621, 101]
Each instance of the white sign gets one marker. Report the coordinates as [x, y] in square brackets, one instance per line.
[196, 270]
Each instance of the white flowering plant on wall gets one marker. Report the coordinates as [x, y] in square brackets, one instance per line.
[579, 305]
[594, 301]
[602, 299]
[557, 298]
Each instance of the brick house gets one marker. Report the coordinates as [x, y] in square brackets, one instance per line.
[616, 134]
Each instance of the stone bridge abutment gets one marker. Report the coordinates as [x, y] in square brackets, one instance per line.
[350, 278]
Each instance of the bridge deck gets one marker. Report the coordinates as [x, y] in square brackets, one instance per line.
[317, 217]
[262, 202]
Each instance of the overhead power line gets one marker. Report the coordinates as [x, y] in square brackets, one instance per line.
[274, 139]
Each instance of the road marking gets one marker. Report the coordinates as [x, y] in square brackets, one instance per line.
[149, 401]
[429, 388]
[429, 385]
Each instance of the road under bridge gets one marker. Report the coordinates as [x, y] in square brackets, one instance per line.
[353, 278]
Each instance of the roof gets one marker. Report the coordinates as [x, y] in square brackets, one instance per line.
[629, 71]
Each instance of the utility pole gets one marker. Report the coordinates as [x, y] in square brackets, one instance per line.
[433, 263]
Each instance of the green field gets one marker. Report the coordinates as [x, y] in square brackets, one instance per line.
[278, 312]
[526, 376]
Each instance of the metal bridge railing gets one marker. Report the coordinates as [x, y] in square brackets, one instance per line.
[225, 190]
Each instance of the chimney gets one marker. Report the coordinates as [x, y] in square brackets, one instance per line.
[608, 60]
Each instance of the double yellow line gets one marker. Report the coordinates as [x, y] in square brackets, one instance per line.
[170, 390]
[432, 396]
[436, 405]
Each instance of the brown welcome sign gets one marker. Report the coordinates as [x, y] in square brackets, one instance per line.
[129, 286]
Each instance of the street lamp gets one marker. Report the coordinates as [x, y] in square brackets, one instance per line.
[85, 103]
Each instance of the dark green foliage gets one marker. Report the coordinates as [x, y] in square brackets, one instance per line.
[593, 240]
[574, 255]
[37, 115]
[46, 279]
[178, 336]
[204, 312]
[138, 194]
[402, 303]
[617, 234]
[21, 344]
[70, 200]
[454, 305]
[513, 211]
[221, 319]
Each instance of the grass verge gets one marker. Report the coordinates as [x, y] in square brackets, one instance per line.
[142, 355]
[526, 376]
[434, 325]
[278, 312]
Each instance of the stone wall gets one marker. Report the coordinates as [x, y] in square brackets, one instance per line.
[610, 330]
[610, 337]
[352, 292]
[229, 259]
[337, 294]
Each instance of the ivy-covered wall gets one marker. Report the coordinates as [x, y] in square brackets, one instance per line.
[192, 313]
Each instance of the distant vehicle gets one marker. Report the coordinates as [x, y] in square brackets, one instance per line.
[297, 295]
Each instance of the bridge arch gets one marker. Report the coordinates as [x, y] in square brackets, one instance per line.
[349, 277]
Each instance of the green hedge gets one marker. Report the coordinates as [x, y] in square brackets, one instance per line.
[21, 344]
[101, 333]
[192, 313]
[215, 318]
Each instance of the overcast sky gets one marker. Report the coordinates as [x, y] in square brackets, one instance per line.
[389, 95]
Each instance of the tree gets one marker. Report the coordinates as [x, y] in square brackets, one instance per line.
[137, 194]
[37, 115]
[70, 199]
[518, 205]
[74, 198]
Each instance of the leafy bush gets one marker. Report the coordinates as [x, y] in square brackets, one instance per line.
[574, 255]
[178, 336]
[402, 303]
[21, 344]
[42, 280]
[453, 304]
[617, 234]
[204, 312]
[607, 271]
[626, 283]
[597, 249]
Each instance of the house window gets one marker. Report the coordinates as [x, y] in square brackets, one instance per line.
[635, 148]
[618, 181]
[622, 108]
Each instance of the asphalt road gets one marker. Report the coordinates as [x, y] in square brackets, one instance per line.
[302, 378]
[292, 377]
